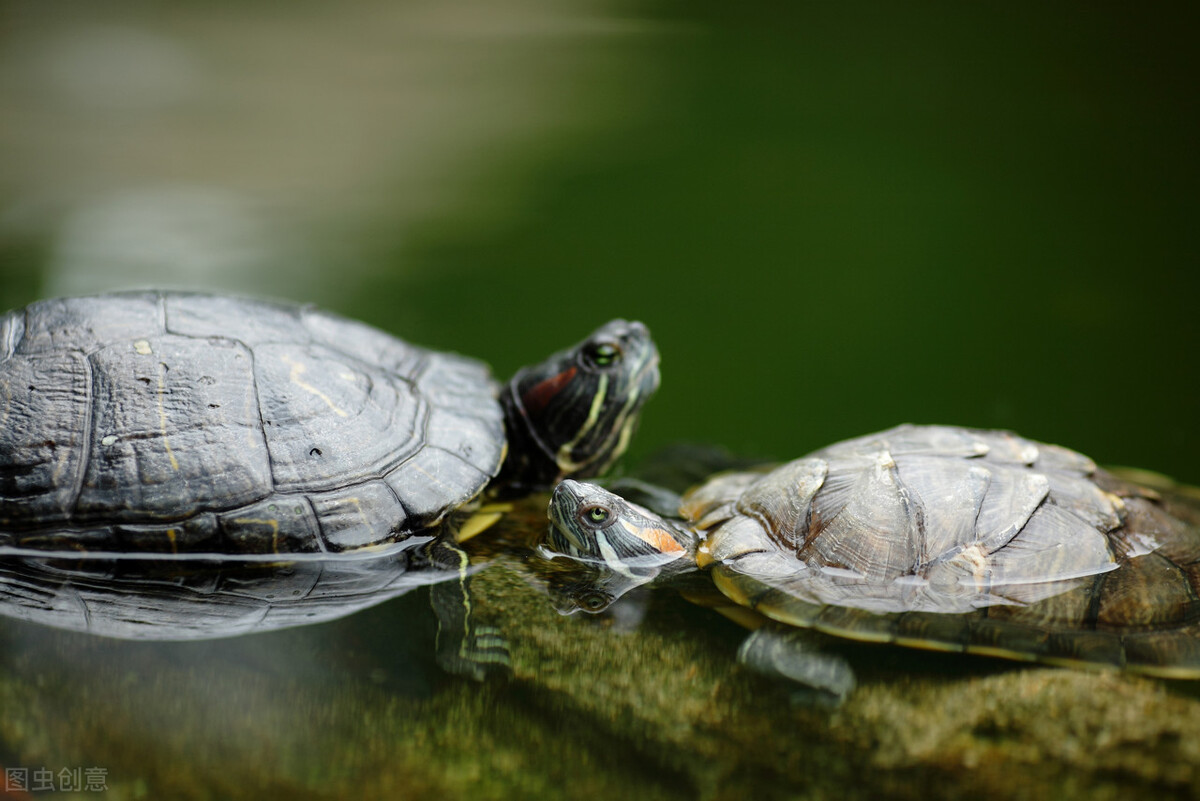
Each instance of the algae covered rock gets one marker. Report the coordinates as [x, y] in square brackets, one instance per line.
[655, 707]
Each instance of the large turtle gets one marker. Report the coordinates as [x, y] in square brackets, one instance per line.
[178, 465]
[928, 536]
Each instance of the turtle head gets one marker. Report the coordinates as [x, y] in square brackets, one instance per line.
[573, 414]
[614, 545]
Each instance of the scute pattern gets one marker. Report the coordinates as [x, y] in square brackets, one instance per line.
[42, 437]
[174, 431]
[324, 417]
[954, 539]
[84, 325]
[160, 423]
[259, 323]
[359, 516]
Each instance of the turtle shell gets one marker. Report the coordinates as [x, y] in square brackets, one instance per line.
[963, 540]
[178, 423]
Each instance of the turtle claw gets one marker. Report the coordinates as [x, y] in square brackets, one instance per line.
[489, 638]
[482, 654]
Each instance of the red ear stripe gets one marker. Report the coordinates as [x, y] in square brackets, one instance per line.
[539, 395]
[660, 540]
[657, 538]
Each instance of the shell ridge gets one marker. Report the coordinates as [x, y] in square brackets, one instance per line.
[14, 332]
[256, 394]
[85, 438]
[162, 310]
[798, 483]
[915, 512]
[872, 533]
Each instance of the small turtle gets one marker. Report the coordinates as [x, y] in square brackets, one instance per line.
[926, 536]
[186, 452]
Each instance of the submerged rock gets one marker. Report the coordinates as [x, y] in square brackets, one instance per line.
[355, 708]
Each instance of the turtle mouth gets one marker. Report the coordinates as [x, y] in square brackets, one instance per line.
[648, 377]
[637, 335]
[563, 503]
[561, 542]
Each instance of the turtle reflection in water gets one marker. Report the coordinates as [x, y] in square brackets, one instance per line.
[182, 466]
[926, 536]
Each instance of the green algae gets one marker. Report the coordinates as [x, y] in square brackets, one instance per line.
[353, 709]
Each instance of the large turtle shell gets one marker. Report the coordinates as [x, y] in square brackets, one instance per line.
[175, 423]
[963, 540]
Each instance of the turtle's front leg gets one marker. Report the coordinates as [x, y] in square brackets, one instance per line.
[464, 646]
[793, 654]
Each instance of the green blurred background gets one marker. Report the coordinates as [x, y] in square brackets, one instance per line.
[835, 217]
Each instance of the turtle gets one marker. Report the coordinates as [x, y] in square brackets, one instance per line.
[182, 465]
[935, 537]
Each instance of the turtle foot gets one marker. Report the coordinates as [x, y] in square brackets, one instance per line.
[482, 654]
[824, 680]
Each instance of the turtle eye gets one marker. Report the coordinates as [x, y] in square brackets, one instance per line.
[602, 354]
[595, 516]
[594, 602]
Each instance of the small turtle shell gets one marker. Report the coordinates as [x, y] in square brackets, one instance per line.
[178, 423]
[963, 540]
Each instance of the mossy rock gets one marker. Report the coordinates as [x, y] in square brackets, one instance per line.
[661, 710]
